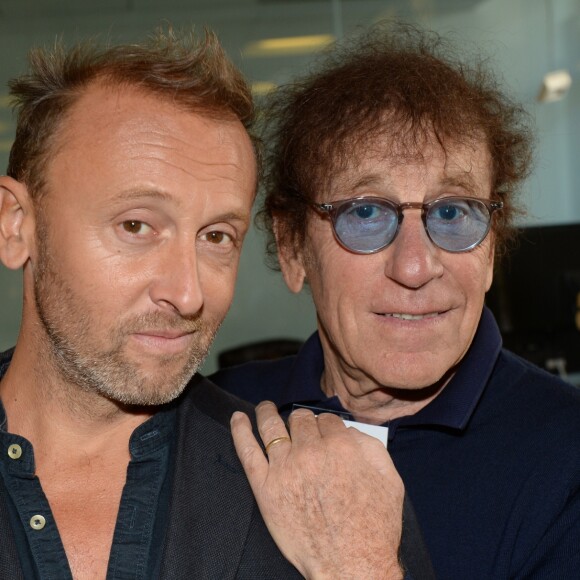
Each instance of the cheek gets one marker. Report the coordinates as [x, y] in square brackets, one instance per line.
[338, 288]
[473, 271]
[321, 274]
[483, 275]
[472, 277]
[105, 283]
[218, 282]
[489, 271]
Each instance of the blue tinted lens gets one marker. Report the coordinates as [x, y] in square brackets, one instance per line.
[366, 225]
[458, 224]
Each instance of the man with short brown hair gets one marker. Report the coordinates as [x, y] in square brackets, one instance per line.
[128, 196]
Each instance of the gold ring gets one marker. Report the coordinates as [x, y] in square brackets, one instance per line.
[276, 440]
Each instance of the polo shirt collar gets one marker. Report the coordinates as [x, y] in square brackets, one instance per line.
[303, 384]
[452, 408]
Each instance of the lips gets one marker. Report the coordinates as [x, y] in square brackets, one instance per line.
[164, 341]
[413, 315]
[169, 334]
[409, 316]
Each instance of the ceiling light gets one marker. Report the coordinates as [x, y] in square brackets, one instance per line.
[289, 45]
[262, 87]
[555, 86]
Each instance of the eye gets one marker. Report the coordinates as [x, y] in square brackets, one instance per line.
[447, 212]
[218, 238]
[367, 211]
[136, 227]
[368, 215]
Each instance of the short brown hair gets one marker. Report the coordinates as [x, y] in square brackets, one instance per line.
[395, 80]
[195, 74]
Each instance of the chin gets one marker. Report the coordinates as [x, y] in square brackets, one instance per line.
[412, 380]
[146, 397]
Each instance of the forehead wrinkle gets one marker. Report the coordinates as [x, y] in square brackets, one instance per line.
[346, 184]
[188, 170]
[182, 149]
[451, 174]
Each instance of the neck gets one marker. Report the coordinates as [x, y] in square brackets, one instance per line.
[59, 418]
[371, 402]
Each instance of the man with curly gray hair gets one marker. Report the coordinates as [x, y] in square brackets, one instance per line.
[391, 190]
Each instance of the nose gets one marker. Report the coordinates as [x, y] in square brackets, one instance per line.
[412, 259]
[177, 285]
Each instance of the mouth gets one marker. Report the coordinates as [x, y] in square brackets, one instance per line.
[413, 316]
[409, 316]
[164, 341]
[166, 334]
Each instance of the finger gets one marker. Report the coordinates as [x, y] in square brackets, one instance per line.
[249, 451]
[331, 425]
[303, 427]
[374, 451]
[272, 429]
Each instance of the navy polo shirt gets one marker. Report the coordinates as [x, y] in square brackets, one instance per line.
[143, 511]
[491, 465]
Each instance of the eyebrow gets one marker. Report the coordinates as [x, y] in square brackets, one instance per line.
[373, 179]
[231, 216]
[155, 194]
[464, 181]
[351, 185]
[146, 194]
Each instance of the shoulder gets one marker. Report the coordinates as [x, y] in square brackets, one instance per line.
[532, 406]
[527, 422]
[5, 358]
[203, 396]
[6, 355]
[525, 381]
[255, 381]
[213, 510]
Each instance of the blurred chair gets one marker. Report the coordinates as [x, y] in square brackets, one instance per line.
[263, 350]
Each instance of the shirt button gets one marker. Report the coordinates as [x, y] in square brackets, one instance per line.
[14, 451]
[37, 522]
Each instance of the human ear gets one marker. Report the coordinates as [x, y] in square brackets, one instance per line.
[290, 259]
[16, 221]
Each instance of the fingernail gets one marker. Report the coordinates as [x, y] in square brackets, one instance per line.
[235, 417]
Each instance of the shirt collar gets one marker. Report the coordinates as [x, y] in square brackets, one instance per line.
[452, 408]
[5, 358]
[303, 384]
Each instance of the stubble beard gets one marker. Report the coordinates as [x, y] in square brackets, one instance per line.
[109, 372]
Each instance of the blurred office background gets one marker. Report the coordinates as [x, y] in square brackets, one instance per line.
[273, 40]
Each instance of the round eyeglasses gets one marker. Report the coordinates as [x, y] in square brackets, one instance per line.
[365, 225]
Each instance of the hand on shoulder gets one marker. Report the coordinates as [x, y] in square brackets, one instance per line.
[330, 496]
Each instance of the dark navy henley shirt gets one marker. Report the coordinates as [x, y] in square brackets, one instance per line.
[143, 511]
